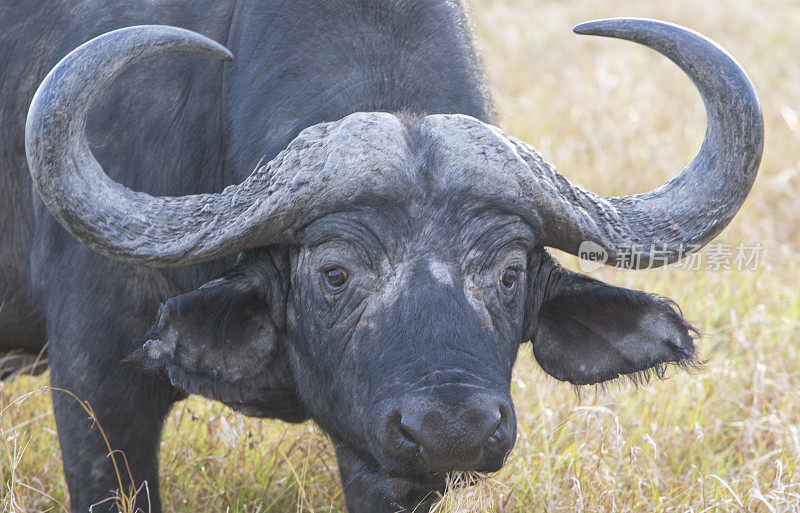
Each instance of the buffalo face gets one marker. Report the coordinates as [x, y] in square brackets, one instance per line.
[406, 324]
[395, 323]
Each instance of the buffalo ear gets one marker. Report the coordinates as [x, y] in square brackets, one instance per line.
[222, 341]
[589, 332]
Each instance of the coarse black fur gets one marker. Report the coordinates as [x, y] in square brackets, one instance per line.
[265, 336]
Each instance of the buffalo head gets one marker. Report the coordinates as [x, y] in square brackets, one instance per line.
[391, 265]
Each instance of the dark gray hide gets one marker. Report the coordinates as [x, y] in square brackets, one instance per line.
[375, 273]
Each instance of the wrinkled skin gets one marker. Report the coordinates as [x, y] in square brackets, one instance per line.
[424, 324]
[424, 318]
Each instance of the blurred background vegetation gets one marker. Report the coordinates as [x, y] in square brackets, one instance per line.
[615, 118]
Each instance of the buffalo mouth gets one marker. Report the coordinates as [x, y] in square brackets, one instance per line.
[452, 479]
[408, 483]
[453, 434]
[432, 481]
[364, 476]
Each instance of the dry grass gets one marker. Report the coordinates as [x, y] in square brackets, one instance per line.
[618, 119]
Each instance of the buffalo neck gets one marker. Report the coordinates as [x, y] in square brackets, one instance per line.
[302, 62]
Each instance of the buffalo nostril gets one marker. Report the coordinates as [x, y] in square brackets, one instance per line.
[403, 440]
[413, 436]
[495, 437]
[492, 426]
[442, 437]
[407, 433]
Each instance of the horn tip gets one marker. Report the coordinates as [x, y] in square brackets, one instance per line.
[225, 54]
[581, 28]
[604, 26]
[589, 28]
[214, 49]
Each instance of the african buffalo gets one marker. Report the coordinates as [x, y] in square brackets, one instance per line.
[375, 257]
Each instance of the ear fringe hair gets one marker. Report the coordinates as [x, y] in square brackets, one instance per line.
[677, 309]
[690, 363]
[644, 377]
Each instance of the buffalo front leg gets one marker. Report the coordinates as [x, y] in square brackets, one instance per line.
[130, 410]
[367, 490]
[90, 339]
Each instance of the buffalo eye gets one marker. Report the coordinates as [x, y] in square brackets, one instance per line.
[509, 279]
[335, 279]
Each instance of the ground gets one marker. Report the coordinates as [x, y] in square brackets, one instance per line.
[617, 119]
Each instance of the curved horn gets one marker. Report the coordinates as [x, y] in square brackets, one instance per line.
[687, 212]
[137, 228]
